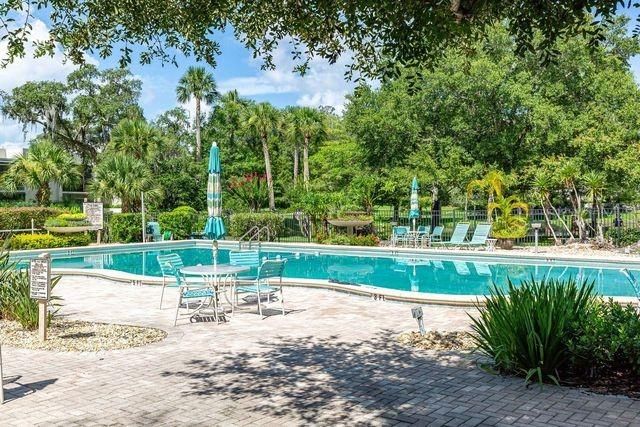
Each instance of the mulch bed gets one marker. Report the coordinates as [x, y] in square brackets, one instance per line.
[75, 335]
[434, 340]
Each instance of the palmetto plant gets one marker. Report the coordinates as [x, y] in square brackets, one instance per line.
[262, 121]
[126, 178]
[511, 217]
[45, 163]
[198, 84]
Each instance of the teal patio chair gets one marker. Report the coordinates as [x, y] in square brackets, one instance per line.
[153, 231]
[269, 270]
[436, 234]
[170, 265]
[480, 236]
[399, 234]
[459, 235]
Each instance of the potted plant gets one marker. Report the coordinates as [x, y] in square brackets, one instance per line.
[511, 220]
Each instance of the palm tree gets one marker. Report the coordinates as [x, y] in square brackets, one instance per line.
[231, 107]
[200, 85]
[121, 176]
[45, 163]
[509, 223]
[542, 185]
[492, 183]
[595, 183]
[291, 131]
[311, 126]
[135, 137]
[568, 173]
[262, 121]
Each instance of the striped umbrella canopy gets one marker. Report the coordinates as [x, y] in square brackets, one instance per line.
[214, 229]
[414, 213]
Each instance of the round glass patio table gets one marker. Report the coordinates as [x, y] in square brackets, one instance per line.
[218, 270]
[224, 271]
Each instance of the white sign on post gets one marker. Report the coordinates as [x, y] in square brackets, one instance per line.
[40, 277]
[94, 213]
[40, 289]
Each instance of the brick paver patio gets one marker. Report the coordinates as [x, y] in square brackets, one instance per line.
[334, 360]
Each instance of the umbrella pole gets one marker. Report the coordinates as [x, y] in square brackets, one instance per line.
[144, 225]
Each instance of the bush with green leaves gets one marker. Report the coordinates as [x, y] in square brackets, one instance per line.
[48, 241]
[240, 223]
[526, 329]
[623, 236]
[15, 299]
[18, 218]
[68, 220]
[182, 221]
[607, 342]
[125, 227]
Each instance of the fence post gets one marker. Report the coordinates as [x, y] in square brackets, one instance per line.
[32, 226]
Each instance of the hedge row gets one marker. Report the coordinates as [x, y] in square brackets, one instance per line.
[20, 217]
[240, 223]
[47, 241]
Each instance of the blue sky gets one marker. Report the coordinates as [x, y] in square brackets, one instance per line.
[236, 69]
[323, 85]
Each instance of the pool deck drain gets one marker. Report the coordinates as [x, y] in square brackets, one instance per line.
[334, 359]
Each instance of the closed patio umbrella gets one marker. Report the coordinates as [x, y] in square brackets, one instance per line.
[414, 213]
[214, 229]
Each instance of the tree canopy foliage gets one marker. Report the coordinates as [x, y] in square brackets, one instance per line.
[380, 35]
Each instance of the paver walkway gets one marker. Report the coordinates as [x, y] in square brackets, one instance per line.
[332, 361]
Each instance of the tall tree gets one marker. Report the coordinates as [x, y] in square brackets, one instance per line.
[262, 121]
[198, 84]
[379, 36]
[45, 163]
[137, 138]
[311, 126]
[121, 176]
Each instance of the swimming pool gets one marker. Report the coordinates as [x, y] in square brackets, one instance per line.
[426, 272]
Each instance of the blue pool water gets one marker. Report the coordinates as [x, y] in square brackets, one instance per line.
[469, 276]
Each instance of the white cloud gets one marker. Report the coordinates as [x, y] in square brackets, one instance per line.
[27, 69]
[323, 85]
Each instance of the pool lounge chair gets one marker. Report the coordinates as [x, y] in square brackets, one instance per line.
[480, 236]
[459, 235]
[423, 235]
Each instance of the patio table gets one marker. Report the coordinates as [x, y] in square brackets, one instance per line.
[224, 271]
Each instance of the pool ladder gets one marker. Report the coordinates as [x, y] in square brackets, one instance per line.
[254, 234]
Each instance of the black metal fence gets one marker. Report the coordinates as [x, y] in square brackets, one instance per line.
[614, 220]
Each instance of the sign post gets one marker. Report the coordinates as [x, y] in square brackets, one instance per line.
[40, 289]
[417, 314]
[1, 379]
[95, 216]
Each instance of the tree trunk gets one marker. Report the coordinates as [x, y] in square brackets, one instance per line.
[43, 195]
[305, 161]
[267, 167]
[564, 224]
[197, 123]
[296, 159]
[545, 212]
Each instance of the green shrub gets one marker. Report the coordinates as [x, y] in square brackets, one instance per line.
[125, 227]
[623, 236]
[20, 217]
[365, 240]
[181, 221]
[337, 239]
[607, 342]
[526, 329]
[47, 241]
[240, 223]
[68, 220]
[15, 299]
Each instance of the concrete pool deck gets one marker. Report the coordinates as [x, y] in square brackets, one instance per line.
[333, 360]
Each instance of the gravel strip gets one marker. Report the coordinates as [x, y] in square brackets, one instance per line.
[74, 335]
[434, 340]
